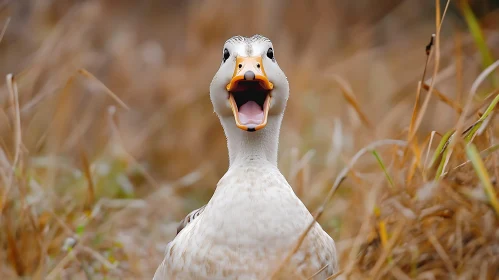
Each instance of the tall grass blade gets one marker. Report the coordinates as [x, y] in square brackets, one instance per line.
[441, 166]
[477, 34]
[470, 133]
[440, 148]
[476, 160]
[380, 162]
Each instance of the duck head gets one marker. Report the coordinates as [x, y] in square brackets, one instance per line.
[249, 85]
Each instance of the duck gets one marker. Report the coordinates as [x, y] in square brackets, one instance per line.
[254, 218]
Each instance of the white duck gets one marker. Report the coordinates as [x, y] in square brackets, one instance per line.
[254, 218]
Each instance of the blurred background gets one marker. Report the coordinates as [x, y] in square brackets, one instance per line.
[111, 139]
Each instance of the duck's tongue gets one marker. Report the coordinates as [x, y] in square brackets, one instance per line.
[250, 113]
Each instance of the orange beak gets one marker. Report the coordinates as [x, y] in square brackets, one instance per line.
[249, 93]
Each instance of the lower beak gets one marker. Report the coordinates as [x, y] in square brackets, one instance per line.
[250, 94]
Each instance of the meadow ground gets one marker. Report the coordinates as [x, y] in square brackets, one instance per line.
[108, 137]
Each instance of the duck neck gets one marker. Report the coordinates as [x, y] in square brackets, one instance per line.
[259, 145]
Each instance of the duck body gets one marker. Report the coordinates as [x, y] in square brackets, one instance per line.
[251, 223]
[254, 219]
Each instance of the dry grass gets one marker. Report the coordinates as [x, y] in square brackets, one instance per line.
[108, 137]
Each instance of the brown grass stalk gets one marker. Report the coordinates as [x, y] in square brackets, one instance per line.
[426, 101]
[4, 29]
[14, 100]
[387, 249]
[348, 94]
[444, 99]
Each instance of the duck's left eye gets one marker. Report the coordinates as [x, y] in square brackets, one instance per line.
[226, 55]
[270, 53]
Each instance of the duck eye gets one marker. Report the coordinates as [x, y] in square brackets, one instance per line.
[270, 53]
[226, 55]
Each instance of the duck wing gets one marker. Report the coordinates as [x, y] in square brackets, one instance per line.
[189, 218]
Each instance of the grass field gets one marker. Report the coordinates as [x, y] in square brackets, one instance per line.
[108, 136]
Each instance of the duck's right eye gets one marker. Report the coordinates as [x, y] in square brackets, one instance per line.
[226, 55]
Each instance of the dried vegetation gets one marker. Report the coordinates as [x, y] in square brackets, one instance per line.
[108, 138]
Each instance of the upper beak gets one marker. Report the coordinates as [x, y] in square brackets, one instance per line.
[249, 70]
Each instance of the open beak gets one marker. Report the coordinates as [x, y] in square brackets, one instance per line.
[250, 93]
